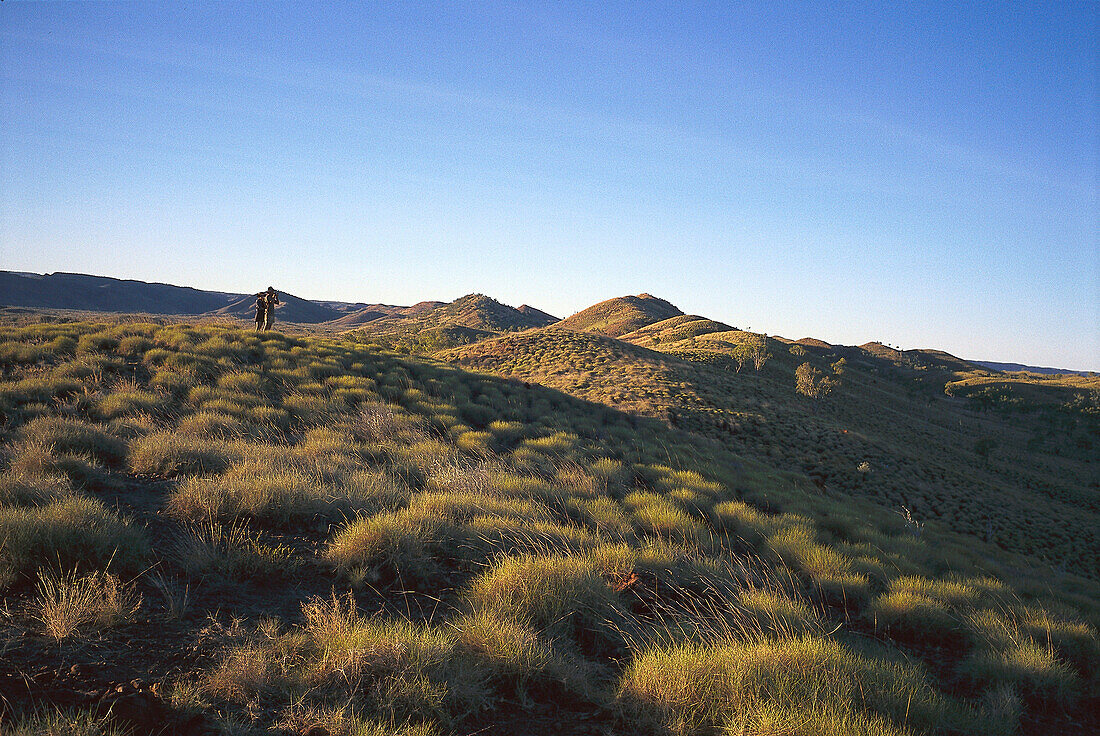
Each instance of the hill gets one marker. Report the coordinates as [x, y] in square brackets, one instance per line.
[212, 530]
[538, 317]
[104, 294]
[893, 430]
[291, 309]
[431, 326]
[621, 315]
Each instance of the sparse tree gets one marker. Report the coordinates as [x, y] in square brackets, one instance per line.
[839, 366]
[741, 355]
[811, 382]
[759, 351]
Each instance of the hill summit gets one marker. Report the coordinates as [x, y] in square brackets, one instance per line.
[621, 315]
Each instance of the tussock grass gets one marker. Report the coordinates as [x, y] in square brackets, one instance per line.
[565, 595]
[916, 619]
[1038, 674]
[170, 454]
[229, 552]
[395, 670]
[62, 436]
[565, 539]
[278, 493]
[126, 402]
[32, 489]
[67, 532]
[696, 689]
[67, 603]
[213, 424]
[53, 721]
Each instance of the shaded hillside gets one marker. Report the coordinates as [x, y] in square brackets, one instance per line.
[292, 309]
[1025, 481]
[359, 317]
[537, 315]
[621, 315]
[104, 294]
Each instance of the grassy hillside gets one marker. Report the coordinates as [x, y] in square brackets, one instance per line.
[432, 326]
[1019, 472]
[621, 315]
[212, 530]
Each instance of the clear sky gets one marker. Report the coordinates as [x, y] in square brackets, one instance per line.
[923, 174]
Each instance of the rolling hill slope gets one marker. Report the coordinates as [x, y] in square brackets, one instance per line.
[621, 315]
[104, 294]
[431, 326]
[292, 309]
[894, 430]
[348, 539]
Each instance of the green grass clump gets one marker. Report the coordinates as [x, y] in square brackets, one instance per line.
[829, 571]
[69, 603]
[125, 402]
[212, 424]
[565, 595]
[278, 493]
[70, 532]
[915, 619]
[229, 552]
[391, 670]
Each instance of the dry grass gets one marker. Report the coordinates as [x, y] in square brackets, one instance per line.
[67, 603]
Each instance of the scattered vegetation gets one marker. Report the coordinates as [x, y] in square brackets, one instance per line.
[333, 535]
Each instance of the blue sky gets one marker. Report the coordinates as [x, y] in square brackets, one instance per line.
[924, 176]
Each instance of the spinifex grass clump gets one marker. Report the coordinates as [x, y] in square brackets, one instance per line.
[697, 689]
[69, 532]
[394, 671]
[74, 437]
[68, 603]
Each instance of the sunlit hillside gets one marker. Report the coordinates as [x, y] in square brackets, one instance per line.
[1015, 464]
[621, 315]
[208, 529]
[433, 326]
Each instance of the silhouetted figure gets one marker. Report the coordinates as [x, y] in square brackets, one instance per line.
[272, 299]
[261, 310]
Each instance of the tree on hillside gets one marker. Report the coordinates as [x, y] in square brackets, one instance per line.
[759, 351]
[811, 382]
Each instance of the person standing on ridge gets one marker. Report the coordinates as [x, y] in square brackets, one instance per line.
[261, 310]
[272, 299]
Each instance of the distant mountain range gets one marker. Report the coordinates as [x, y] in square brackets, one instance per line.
[469, 319]
[1015, 367]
